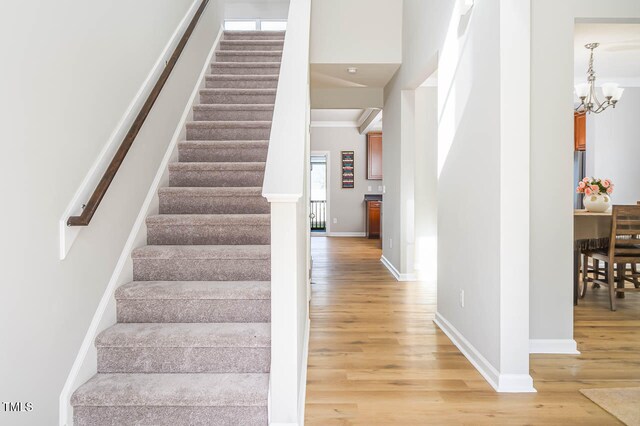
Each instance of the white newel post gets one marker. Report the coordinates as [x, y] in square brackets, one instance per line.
[284, 186]
[284, 307]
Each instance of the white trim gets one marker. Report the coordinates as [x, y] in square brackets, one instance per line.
[521, 383]
[353, 124]
[302, 396]
[396, 274]
[346, 234]
[68, 234]
[553, 346]
[74, 380]
[327, 157]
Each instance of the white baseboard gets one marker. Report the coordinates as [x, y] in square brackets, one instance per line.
[553, 346]
[521, 383]
[84, 365]
[346, 234]
[397, 275]
[68, 234]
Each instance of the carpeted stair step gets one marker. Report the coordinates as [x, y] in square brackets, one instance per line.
[222, 151]
[194, 301]
[238, 96]
[233, 112]
[205, 229]
[253, 35]
[208, 174]
[237, 81]
[172, 399]
[184, 348]
[202, 263]
[252, 44]
[248, 55]
[228, 130]
[245, 68]
[199, 200]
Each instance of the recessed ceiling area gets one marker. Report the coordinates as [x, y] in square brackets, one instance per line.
[617, 59]
[325, 76]
[344, 118]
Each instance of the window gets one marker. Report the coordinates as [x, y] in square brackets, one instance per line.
[273, 25]
[239, 25]
[255, 25]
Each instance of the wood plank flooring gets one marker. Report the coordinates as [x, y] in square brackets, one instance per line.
[377, 358]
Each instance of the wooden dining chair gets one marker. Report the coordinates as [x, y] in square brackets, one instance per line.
[624, 250]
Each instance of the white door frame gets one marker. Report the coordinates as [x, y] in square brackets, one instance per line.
[327, 229]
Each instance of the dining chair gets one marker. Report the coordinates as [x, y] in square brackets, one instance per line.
[624, 250]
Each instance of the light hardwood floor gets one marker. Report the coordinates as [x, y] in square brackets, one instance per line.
[376, 358]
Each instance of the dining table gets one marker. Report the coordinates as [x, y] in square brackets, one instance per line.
[591, 231]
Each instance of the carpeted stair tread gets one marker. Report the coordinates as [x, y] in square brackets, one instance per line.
[229, 124]
[233, 151]
[177, 335]
[266, 44]
[209, 192]
[242, 77]
[252, 35]
[221, 166]
[252, 53]
[233, 112]
[212, 200]
[208, 219]
[207, 229]
[186, 390]
[214, 252]
[248, 92]
[195, 290]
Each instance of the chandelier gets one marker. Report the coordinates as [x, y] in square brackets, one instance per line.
[587, 91]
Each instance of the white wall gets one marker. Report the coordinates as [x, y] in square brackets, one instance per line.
[366, 31]
[67, 79]
[477, 227]
[347, 205]
[551, 264]
[256, 9]
[426, 183]
[613, 147]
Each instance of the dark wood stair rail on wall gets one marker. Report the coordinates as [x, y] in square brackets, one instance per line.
[98, 194]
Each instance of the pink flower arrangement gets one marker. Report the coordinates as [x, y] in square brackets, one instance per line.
[595, 186]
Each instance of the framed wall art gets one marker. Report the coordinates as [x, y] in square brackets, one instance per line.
[347, 169]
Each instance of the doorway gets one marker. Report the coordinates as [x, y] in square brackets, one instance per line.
[319, 203]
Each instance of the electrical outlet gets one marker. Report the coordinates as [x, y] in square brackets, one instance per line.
[369, 188]
[379, 188]
[335, 220]
[384, 189]
[462, 298]
[390, 242]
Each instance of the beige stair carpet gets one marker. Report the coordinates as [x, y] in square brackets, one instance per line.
[192, 343]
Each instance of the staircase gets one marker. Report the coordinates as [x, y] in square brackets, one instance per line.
[192, 342]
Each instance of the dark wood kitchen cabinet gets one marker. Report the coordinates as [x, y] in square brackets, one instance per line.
[374, 155]
[373, 219]
[580, 131]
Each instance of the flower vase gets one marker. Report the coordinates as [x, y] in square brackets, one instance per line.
[597, 203]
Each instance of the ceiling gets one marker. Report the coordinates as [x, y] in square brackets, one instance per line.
[617, 59]
[340, 118]
[325, 76]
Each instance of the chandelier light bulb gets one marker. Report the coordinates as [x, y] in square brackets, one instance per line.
[582, 90]
[617, 94]
[609, 89]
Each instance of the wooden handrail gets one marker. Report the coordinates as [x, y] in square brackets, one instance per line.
[101, 189]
